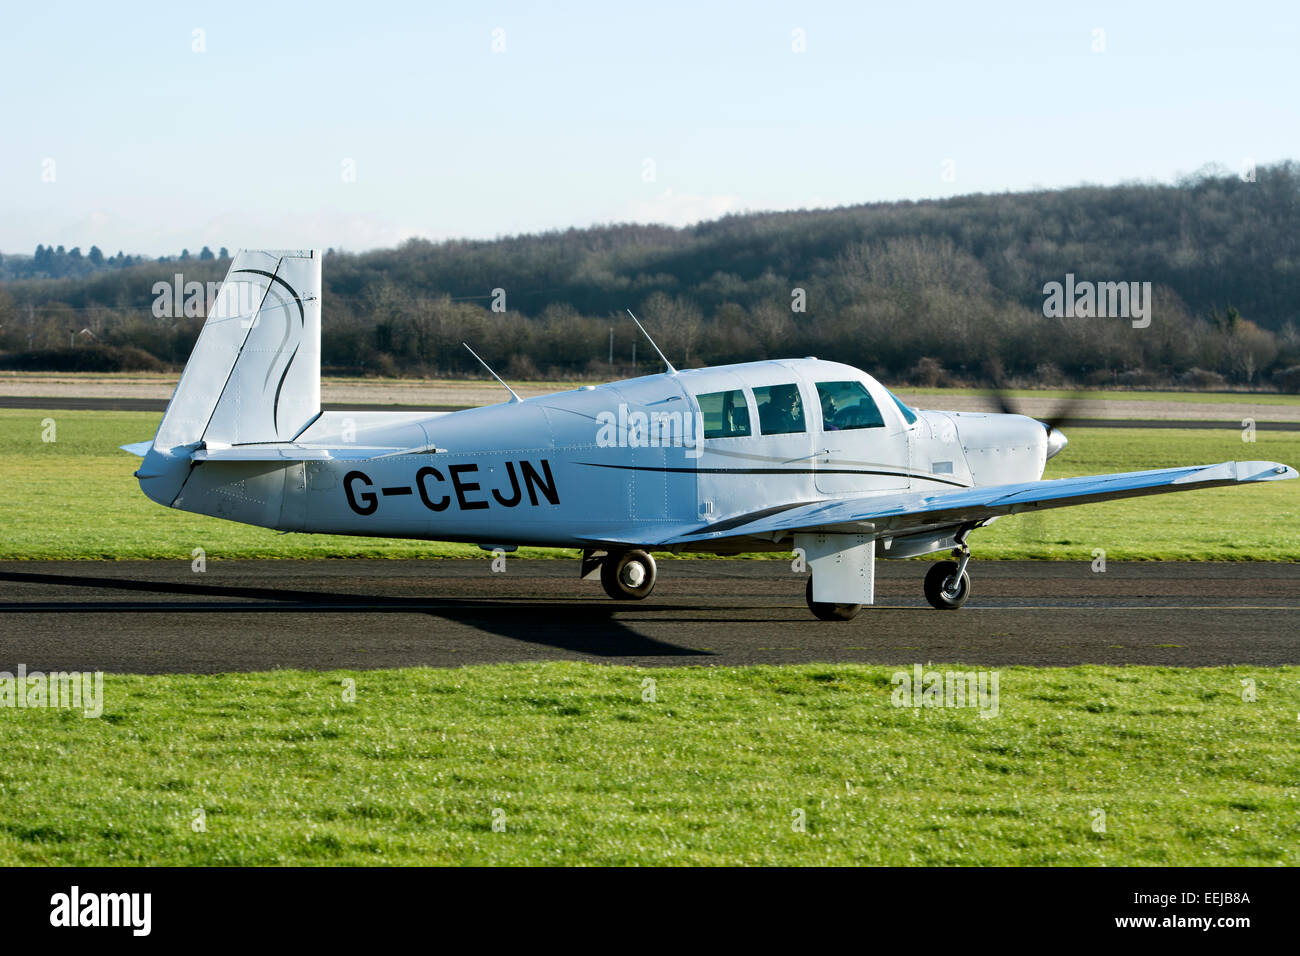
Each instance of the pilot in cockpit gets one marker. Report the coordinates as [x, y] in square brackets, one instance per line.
[829, 411]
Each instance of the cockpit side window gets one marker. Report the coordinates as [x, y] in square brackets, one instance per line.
[725, 414]
[847, 405]
[780, 410]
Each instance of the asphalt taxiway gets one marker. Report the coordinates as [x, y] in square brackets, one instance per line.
[161, 617]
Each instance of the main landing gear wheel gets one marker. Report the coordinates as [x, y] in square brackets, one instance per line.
[947, 585]
[629, 576]
[830, 612]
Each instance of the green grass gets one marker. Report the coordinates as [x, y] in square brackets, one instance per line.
[75, 498]
[286, 772]
[1251, 523]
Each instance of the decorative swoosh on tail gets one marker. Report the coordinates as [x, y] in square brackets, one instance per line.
[302, 319]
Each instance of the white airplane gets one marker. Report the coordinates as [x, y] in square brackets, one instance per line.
[765, 456]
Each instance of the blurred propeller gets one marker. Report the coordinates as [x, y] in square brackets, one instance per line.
[1056, 439]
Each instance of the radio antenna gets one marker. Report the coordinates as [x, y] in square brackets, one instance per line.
[671, 370]
[513, 397]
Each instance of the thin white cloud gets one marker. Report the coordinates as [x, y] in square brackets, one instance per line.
[682, 209]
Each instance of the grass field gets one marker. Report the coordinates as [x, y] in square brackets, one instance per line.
[578, 767]
[715, 770]
[75, 498]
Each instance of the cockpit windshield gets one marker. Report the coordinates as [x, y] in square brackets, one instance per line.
[907, 412]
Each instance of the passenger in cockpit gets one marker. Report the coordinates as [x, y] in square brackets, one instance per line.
[781, 413]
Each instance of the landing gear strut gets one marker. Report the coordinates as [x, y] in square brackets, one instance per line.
[629, 576]
[829, 612]
[947, 585]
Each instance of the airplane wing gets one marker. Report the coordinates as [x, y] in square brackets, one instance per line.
[916, 512]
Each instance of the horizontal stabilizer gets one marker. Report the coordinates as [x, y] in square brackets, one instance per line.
[139, 448]
[289, 451]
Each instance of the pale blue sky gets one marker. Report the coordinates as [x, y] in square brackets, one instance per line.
[156, 147]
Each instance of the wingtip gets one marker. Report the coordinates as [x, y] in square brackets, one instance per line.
[1264, 471]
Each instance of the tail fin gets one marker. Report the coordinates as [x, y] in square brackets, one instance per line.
[254, 374]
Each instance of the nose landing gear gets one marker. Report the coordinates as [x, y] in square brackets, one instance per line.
[947, 585]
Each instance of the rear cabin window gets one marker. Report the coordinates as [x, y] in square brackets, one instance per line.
[847, 405]
[725, 414]
[780, 410]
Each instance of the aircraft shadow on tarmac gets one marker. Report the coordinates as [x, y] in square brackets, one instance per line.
[582, 629]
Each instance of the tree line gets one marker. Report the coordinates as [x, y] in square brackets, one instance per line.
[933, 292]
[51, 262]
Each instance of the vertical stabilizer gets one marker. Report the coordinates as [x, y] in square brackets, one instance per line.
[254, 374]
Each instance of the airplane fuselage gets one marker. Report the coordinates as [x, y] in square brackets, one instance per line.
[629, 461]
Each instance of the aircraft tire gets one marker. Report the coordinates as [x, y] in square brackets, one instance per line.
[824, 611]
[629, 576]
[936, 578]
